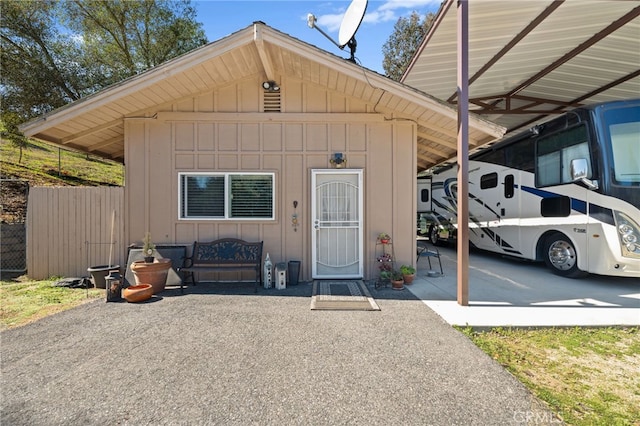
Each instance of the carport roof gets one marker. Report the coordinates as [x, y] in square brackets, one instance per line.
[532, 59]
[95, 124]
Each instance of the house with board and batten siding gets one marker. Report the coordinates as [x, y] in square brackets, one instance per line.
[263, 137]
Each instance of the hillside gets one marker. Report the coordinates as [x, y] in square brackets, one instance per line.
[45, 164]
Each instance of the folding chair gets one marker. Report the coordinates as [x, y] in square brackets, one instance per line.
[423, 249]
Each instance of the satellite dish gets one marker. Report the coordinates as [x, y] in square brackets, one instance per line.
[350, 23]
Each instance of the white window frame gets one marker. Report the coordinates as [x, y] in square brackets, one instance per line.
[227, 195]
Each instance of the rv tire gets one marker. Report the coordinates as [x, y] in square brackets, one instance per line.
[561, 257]
[433, 235]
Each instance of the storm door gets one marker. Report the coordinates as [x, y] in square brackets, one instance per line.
[336, 234]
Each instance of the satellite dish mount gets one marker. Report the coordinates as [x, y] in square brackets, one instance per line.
[348, 28]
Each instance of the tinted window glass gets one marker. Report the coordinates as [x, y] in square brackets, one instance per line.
[493, 157]
[555, 152]
[521, 155]
[555, 207]
[489, 180]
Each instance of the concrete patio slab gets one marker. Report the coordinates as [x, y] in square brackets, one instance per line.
[511, 292]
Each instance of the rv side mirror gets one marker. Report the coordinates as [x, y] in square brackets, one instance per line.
[579, 169]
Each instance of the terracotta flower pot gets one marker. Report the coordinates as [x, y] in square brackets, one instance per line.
[408, 279]
[397, 284]
[137, 293]
[152, 273]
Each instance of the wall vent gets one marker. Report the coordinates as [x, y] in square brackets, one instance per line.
[271, 101]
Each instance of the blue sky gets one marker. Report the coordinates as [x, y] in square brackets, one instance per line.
[221, 18]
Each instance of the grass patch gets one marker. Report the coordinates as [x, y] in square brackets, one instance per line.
[46, 164]
[23, 301]
[588, 376]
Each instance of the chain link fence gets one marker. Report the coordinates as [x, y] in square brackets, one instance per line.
[13, 232]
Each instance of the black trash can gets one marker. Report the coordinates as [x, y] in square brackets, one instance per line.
[293, 272]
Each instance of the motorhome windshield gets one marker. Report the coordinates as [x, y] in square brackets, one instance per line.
[622, 128]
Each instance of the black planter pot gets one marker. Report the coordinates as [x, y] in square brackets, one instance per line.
[99, 273]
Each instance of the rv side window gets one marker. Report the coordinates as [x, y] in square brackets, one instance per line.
[555, 207]
[490, 180]
[424, 195]
[555, 152]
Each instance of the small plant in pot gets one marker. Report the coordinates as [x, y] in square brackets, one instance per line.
[384, 238]
[385, 275]
[408, 273]
[148, 248]
[151, 270]
[397, 283]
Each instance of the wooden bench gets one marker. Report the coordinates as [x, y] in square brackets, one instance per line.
[227, 254]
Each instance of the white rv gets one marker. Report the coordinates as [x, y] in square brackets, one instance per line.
[566, 192]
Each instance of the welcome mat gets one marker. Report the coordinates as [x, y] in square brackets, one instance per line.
[345, 295]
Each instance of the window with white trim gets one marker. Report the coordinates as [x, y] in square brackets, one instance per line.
[226, 196]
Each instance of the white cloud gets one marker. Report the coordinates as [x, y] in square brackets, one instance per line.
[378, 16]
[330, 22]
[389, 10]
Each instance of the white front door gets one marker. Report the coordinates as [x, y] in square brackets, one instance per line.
[336, 235]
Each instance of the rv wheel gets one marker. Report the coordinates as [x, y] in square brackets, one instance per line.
[560, 256]
[433, 235]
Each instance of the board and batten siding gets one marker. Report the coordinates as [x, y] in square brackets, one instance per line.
[70, 229]
[224, 132]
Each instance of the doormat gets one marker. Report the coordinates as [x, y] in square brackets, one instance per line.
[342, 295]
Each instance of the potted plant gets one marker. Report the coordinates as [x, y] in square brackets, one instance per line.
[385, 267]
[408, 273]
[385, 270]
[385, 275]
[384, 238]
[148, 248]
[151, 271]
[397, 283]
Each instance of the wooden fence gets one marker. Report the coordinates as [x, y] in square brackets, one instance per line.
[70, 229]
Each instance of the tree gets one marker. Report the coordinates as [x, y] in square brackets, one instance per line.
[403, 43]
[55, 52]
[39, 66]
[9, 131]
[127, 37]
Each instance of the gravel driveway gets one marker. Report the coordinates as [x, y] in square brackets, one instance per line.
[223, 355]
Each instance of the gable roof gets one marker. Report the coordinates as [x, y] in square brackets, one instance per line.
[95, 124]
[531, 60]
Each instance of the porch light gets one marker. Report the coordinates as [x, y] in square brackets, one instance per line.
[338, 160]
